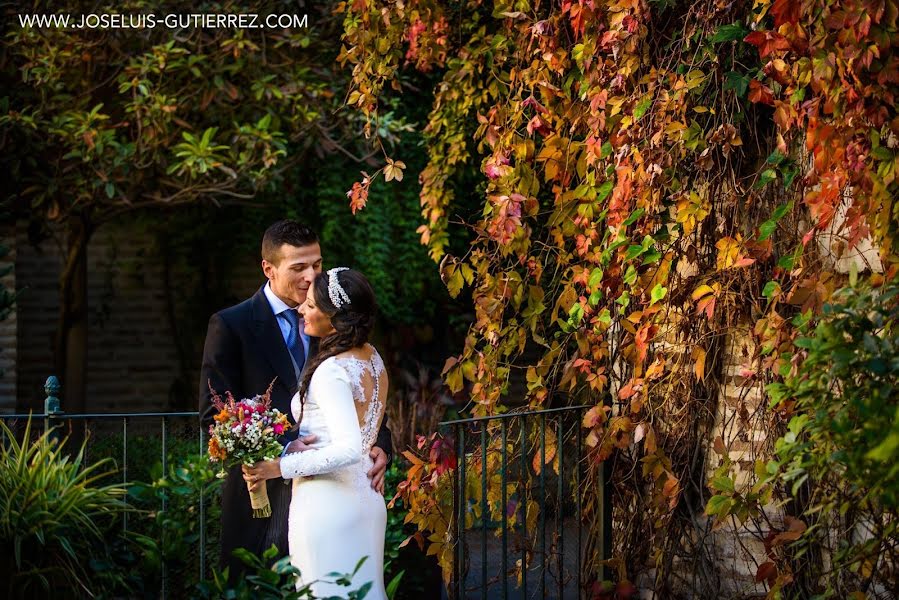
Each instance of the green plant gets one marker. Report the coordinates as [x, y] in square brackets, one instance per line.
[277, 581]
[839, 459]
[169, 535]
[54, 516]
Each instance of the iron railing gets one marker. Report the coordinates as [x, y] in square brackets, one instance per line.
[533, 460]
[113, 435]
[514, 443]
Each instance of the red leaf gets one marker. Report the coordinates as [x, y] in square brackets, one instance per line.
[767, 42]
[785, 11]
[808, 236]
[539, 125]
[759, 92]
[624, 590]
[767, 572]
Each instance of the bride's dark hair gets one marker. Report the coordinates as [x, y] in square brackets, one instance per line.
[352, 322]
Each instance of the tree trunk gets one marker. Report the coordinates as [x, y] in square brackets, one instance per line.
[71, 334]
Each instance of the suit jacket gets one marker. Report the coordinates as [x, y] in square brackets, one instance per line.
[244, 352]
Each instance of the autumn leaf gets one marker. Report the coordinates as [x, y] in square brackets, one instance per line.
[785, 11]
[394, 170]
[358, 196]
[767, 571]
[698, 357]
[767, 42]
[760, 93]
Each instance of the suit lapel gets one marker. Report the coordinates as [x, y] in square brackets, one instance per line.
[271, 342]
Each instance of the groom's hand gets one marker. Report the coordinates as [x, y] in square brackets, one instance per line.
[302, 444]
[378, 471]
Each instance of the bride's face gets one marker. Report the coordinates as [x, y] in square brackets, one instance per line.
[317, 323]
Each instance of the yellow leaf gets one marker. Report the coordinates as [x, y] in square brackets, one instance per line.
[701, 291]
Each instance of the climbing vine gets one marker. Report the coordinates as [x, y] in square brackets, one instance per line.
[659, 178]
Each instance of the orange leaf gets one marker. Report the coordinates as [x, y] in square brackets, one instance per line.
[699, 363]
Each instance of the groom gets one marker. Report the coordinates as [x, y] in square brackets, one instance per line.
[249, 345]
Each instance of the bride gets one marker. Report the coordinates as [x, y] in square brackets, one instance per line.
[336, 518]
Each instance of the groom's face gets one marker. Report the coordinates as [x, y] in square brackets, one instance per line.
[292, 274]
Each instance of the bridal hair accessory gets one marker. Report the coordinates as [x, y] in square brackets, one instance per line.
[337, 294]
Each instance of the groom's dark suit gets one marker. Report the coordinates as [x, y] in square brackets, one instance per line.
[244, 352]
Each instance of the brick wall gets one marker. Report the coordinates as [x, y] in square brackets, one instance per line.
[8, 328]
[741, 423]
[132, 357]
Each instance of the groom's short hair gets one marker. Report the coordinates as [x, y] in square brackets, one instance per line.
[283, 232]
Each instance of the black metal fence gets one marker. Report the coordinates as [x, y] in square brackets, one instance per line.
[141, 445]
[518, 506]
[518, 498]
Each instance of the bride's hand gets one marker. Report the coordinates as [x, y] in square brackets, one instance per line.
[256, 474]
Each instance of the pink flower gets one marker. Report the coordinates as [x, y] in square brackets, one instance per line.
[278, 428]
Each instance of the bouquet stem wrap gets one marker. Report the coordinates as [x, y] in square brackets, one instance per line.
[259, 501]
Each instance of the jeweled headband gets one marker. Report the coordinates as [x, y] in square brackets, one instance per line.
[337, 294]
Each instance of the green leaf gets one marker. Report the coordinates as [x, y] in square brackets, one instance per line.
[394, 584]
[789, 175]
[652, 256]
[630, 275]
[723, 484]
[634, 251]
[605, 317]
[575, 314]
[634, 216]
[606, 149]
[729, 33]
[767, 176]
[887, 450]
[658, 292]
[719, 505]
[775, 158]
[882, 153]
[603, 191]
[642, 107]
[770, 288]
[787, 262]
[363, 590]
[737, 82]
[768, 227]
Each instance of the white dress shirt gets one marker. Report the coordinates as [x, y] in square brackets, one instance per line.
[279, 306]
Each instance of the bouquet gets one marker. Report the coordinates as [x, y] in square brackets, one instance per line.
[246, 432]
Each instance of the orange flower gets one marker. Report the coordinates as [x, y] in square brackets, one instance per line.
[222, 416]
[216, 451]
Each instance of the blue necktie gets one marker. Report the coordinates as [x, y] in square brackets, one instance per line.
[294, 342]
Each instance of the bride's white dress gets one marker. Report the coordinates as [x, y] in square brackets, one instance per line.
[336, 517]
